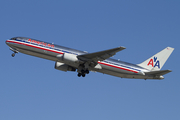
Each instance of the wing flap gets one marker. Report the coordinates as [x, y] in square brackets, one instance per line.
[100, 56]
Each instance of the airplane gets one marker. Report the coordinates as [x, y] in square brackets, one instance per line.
[67, 59]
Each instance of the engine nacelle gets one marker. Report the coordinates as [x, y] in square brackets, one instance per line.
[64, 67]
[68, 58]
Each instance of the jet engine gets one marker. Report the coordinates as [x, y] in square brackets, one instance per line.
[68, 58]
[64, 67]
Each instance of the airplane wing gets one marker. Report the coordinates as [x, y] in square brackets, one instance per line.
[161, 72]
[100, 56]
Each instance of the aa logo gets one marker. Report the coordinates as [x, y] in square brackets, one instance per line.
[154, 62]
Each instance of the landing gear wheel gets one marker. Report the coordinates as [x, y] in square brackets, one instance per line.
[82, 70]
[13, 55]
[83, 75]
[87, 71]
[79, 75]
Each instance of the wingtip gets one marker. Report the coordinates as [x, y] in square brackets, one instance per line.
[122, 47]
[169, 70]
[170, 48]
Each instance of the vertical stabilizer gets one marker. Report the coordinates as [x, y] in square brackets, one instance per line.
[157, 61]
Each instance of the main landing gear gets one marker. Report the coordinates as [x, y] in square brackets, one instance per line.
[83, 73]
[82, 70]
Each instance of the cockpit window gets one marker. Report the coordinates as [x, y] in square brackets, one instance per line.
[19, 38]
[13, 38]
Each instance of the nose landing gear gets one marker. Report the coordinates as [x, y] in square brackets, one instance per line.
[15, 51]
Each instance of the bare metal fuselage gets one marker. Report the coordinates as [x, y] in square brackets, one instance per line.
[51, 52]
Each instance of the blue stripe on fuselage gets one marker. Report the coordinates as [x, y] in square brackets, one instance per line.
[107, 61]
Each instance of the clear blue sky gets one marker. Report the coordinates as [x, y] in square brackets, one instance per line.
[31, 89]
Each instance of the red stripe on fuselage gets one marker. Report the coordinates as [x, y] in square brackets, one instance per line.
[34, 46]
[62, 53]
[117, 67]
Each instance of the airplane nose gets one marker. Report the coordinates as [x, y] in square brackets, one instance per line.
[7, 41]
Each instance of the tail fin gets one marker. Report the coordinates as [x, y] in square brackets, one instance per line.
[157, 61]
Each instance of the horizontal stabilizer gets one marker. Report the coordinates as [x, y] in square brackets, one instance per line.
[161, 72]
